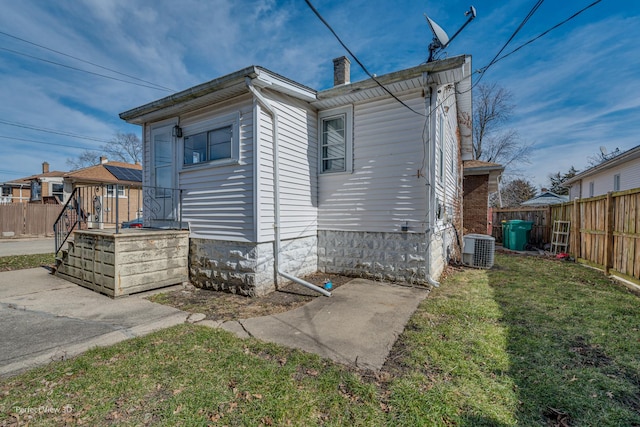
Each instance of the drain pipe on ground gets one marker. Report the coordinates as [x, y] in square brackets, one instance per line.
[431, 196]
[276, 192]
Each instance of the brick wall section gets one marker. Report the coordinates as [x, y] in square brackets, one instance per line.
[475, 205]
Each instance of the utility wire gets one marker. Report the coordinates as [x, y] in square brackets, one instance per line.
[356, 58]
[85, 61]
[544, 33]
[39, 129]
[533, 10]
[80, 69]
[42, 142]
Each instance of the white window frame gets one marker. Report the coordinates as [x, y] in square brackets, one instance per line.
[616, 182]
[220, 122]
[58, 193]
[591, 189]
[347, 114]
[111, 192]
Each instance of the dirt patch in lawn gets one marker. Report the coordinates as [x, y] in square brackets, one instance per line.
[225, 306]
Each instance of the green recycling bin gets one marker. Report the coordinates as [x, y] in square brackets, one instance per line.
[519, 234]
[505, 234]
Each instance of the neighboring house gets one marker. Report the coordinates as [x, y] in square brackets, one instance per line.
[480, 180]
[278, 178]
[46, 187]
[617, 174]
[546, 198]
[17, 191]
[99, 185]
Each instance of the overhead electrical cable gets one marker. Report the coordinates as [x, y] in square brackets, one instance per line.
[42, 142]
[533, 10]
[85, 61]
[544, 33]
[81, 70]
[315, 11]
[57, 132]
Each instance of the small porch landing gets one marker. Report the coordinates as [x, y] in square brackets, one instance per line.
[128, 262]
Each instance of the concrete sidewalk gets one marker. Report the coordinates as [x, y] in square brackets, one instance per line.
[45, 318]
[356, 326]
[27, 246]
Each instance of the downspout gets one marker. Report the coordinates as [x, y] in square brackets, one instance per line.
[276, 193]
[431, 196]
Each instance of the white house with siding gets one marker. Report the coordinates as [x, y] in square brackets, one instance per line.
[279, 180]
[620, 173]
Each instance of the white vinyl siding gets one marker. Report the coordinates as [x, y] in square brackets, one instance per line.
[217, 199]
[384, 190]
[298, 160]
[447, 192]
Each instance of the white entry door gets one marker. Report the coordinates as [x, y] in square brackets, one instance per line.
[164, 197]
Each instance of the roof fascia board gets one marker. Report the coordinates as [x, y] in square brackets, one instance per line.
[386, 79]
[631, 154]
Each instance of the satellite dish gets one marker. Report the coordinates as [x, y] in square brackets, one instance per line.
[603, 150]
[440, 38]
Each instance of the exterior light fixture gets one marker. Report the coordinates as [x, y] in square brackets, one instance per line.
[177, 131]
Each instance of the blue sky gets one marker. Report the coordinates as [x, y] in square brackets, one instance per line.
[576, 89]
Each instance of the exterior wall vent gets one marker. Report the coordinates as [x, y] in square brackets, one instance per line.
[478, 251]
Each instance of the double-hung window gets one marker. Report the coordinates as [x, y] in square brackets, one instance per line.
[336, 129]
[111, 191]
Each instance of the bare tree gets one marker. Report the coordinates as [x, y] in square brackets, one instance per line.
[124, 147]
[492, 140]
[515, 192]
[85, 159]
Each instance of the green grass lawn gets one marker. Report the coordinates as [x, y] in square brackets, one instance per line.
[18, 262]
[531, 342]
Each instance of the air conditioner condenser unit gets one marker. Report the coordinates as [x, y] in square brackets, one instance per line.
[478, 250]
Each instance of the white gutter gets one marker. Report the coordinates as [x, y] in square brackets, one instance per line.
[431, 193]
[276, 192]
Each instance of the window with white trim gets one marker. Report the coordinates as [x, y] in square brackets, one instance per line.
[215, 141]
[208, 146]
[616, 182]
[111, 190]
[591, 189]
[57, 190]
[335, 140]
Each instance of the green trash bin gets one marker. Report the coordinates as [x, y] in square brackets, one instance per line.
[519, 234]
[505, 234]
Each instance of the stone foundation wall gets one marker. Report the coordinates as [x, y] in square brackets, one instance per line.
[374, 255]
[248, 268]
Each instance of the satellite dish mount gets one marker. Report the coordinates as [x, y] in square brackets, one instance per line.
[440, 38]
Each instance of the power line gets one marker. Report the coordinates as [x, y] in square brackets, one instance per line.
[39, 129]
[356, 58]
[81, 70]
[544, 33]
[85, 61]
[533, 10]
[42, 142]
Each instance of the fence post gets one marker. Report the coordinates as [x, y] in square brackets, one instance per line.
[608, 233]
[575, 225]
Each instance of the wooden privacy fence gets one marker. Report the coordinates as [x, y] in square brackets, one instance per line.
[605, 231]
[540, 230]
[20, 219]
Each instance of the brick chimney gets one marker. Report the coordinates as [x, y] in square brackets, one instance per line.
[341, 71]
[45, 167]
[103, 160]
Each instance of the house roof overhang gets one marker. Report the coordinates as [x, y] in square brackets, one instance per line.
[478, 167]
[631, 154]
[217, 90]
